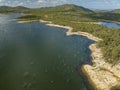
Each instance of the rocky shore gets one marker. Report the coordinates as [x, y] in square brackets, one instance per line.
[102, 75]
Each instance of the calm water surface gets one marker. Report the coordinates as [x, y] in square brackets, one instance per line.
[111, 25]
[34, 56]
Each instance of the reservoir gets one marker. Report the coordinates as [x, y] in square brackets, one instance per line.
[34, 56]
[111, 25]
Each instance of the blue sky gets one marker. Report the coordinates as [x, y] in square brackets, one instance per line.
[92, 4]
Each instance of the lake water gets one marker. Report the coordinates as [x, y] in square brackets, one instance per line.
[111, 25]
[34, 56]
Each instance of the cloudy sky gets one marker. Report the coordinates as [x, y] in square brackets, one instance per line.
[92, 4]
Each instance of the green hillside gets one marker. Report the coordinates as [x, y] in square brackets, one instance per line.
[68, 7]
[67, 12]
[116, 11]
[7, 9]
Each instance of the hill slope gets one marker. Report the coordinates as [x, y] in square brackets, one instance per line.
[7, 9]
[65, 12]
[68, 7]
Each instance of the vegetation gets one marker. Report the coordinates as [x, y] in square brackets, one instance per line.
[7, 9]
[109, 16]
[29, 17]
[82, 19]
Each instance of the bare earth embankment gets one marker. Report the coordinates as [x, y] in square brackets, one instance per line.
[102, 75]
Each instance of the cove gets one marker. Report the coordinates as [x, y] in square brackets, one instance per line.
[34, 56]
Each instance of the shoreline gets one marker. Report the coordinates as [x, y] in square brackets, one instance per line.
[101, 75]
[69, 32]
[25, 21]
[29, 21]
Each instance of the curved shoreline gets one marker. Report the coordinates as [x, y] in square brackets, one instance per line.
[101, 75]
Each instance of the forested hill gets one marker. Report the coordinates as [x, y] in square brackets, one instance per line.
[7, 9]
[68, 7]
[65, 12]
[61, 8]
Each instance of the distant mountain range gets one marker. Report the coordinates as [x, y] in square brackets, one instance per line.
[7, 9]
[75, 10]
[64, 8]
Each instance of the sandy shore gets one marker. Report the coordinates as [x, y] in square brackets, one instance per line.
[26, 21]
[101, 74]
[43, 21]
[69, 32]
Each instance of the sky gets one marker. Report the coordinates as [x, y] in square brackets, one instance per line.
[91, 4]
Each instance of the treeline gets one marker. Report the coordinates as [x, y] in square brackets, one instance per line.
[29, 17]
[110, 16]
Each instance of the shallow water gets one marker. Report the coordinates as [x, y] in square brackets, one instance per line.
[34, 56]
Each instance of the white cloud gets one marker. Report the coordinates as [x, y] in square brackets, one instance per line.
[20, 4]
[41, 1]
[51, 1]
[45, 3]
[33, 3]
